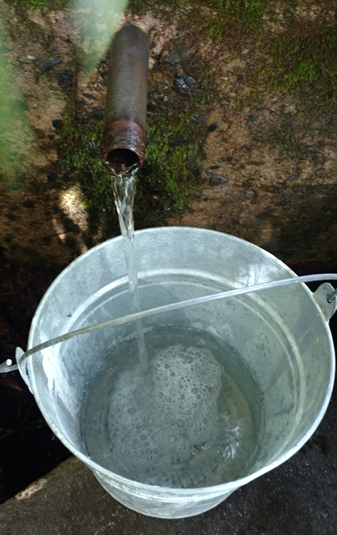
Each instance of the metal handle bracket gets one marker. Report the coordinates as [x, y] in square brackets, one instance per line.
[323, 297]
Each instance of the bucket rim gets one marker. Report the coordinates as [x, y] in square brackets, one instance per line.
[169, 229]
[176, 492]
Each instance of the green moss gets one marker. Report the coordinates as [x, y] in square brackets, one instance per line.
[234, 19]
[80, 158]
[302, 60]
[297, 56]
[40, 4]
[173, 156]
[225, 20]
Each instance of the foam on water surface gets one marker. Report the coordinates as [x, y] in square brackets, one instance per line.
[191, 419]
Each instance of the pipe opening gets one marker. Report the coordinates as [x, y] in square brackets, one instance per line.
[121, 159]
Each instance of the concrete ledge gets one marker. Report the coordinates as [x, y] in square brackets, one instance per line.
[298, 498]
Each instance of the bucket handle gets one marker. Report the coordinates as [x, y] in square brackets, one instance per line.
[326, 299]
[8, 365]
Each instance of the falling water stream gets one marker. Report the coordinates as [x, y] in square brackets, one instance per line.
[124, 187]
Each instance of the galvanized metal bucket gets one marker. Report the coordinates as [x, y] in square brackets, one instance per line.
[282, 335]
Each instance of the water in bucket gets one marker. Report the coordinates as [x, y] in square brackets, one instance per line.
[190, 419]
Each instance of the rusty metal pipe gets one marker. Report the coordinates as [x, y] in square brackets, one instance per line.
[124, 137]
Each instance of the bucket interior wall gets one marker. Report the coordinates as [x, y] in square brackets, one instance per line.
[280, 334]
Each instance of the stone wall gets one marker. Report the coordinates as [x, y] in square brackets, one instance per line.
[261, 160]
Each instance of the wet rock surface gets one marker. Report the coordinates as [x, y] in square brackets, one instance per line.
[217, 180]
[47, 64]
[177, 55]
[284, 155]
[183, 84]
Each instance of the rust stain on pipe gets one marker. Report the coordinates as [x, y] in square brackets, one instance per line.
[124, 137]
[124, 144]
